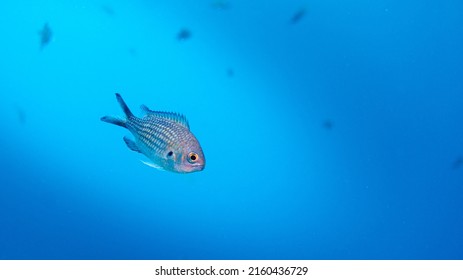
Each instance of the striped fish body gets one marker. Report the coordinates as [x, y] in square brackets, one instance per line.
[164, 138]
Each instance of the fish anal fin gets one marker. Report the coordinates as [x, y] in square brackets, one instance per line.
[131, 144]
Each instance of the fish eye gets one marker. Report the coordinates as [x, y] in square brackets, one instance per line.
[192, 157]
[170, 153]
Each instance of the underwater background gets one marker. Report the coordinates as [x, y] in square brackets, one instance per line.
[331, 129]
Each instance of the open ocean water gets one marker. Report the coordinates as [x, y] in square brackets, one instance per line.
[331, 129]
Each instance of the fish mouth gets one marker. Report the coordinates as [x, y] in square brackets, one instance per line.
[191, 168]
[199, 167]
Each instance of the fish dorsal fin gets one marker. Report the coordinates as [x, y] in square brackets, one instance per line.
[176, 117]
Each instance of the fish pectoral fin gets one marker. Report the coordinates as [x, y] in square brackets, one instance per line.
[150, 164]
[131, 144]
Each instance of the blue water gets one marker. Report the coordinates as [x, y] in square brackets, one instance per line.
[339, 136]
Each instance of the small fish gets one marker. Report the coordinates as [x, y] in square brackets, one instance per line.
[298, 15]
[45, 35]
[165, 138]
[184, 34]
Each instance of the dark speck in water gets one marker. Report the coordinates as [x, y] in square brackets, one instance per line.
[230, 72]
[220, 5]
[184, 34]
[458, 162]
[45, 35]
[298, 15]
[133, 52]
[108, 10]
[21, 115]
[328, 124]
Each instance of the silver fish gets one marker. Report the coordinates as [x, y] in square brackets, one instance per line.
[165, 138]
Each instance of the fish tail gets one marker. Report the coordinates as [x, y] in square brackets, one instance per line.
[124, 106]
[114, 120]
[118, 121]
